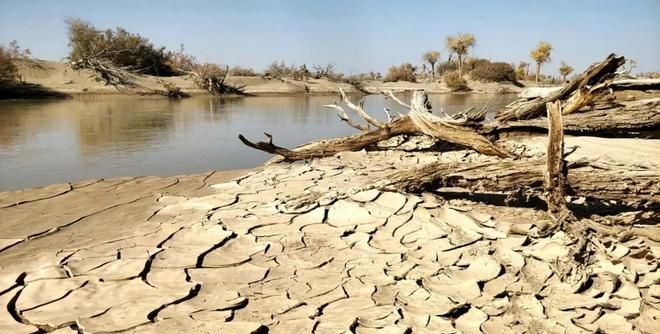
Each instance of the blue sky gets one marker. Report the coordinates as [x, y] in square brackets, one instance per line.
[358, 36]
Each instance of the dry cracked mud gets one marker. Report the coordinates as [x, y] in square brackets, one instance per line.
[302, 248]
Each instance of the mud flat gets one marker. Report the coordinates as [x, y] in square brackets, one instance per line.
[308, 247]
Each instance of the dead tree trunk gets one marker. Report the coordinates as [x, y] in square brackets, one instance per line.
[596, 73]
[554, 180]
[633, 186]
[630, 116]
[417, 122]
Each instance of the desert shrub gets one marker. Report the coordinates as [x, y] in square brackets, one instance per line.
[446, 67]
[336, 77]
[323, 71]
[484, 70]
[182, 62]
[242, 72]
[8, 68]
[119, 46]
[455, 81]
[403, 72]
[279, 70]
[212, 78]
[301, 73]
[10, 56]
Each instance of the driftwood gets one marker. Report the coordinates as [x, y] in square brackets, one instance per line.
[581, 90]
[419, 121]
[630, 116]
[635, 187]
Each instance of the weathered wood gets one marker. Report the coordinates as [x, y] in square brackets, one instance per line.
[448, 131]
[636, 84]
[419, 121]
[328, 147]
[633, 186]
[596, 73]
[629, 117]
[554, 181]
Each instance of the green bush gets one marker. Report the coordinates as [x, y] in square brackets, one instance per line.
[456, 82]
[403, 72]
[485, 70]
[119, 46]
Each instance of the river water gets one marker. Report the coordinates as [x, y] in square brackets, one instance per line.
[45, 142]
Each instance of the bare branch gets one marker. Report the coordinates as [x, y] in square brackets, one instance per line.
[360, 111]
[389, 94]
[344, 117]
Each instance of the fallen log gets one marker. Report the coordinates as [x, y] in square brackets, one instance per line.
[419, 121]
[638, 115]
[635, 187]
[636, 84]
[595, 74]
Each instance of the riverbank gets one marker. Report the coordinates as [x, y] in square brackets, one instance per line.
[299, 248]
[53, 77]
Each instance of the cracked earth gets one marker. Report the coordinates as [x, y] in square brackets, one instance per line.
[302, 248]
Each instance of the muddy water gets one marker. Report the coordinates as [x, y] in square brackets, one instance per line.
[44, 142]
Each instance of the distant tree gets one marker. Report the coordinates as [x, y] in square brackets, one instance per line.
[431, 57]
[323, 71]
[522, 70]
[485, 70]
[403, 72]
[541, 55]
[461, 45]
[565, 70]
[10, 56]
[119, 46]
[456, 82]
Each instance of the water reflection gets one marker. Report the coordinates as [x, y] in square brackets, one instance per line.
[43, 142]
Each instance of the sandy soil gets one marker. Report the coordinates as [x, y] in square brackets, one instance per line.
[52, 75]
[298, 248]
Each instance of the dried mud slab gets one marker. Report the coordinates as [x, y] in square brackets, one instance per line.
[305, 248]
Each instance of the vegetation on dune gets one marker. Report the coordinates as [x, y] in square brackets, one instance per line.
[456, 82]
[12, 57]
[240, 71]
[403, 72]
[120, 47]
[485, 70]
[541, 55]
[118, 57]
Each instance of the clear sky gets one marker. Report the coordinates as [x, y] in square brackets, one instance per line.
[358, 36]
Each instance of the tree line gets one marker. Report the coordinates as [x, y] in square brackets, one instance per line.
[134, 53]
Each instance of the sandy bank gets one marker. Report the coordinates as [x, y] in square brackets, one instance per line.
[53, 76]
[289, 248]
